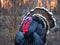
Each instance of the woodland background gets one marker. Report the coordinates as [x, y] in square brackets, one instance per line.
[13, 11]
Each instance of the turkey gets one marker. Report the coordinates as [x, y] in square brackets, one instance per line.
[34, 28]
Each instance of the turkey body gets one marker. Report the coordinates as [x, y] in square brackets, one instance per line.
[35, 36]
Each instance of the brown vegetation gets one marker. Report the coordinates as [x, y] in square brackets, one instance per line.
[11, 13]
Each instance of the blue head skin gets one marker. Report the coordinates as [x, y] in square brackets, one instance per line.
[28, 19]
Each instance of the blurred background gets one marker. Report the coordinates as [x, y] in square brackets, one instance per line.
[12, 13]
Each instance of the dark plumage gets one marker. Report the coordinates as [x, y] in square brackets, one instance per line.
[36, 35]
